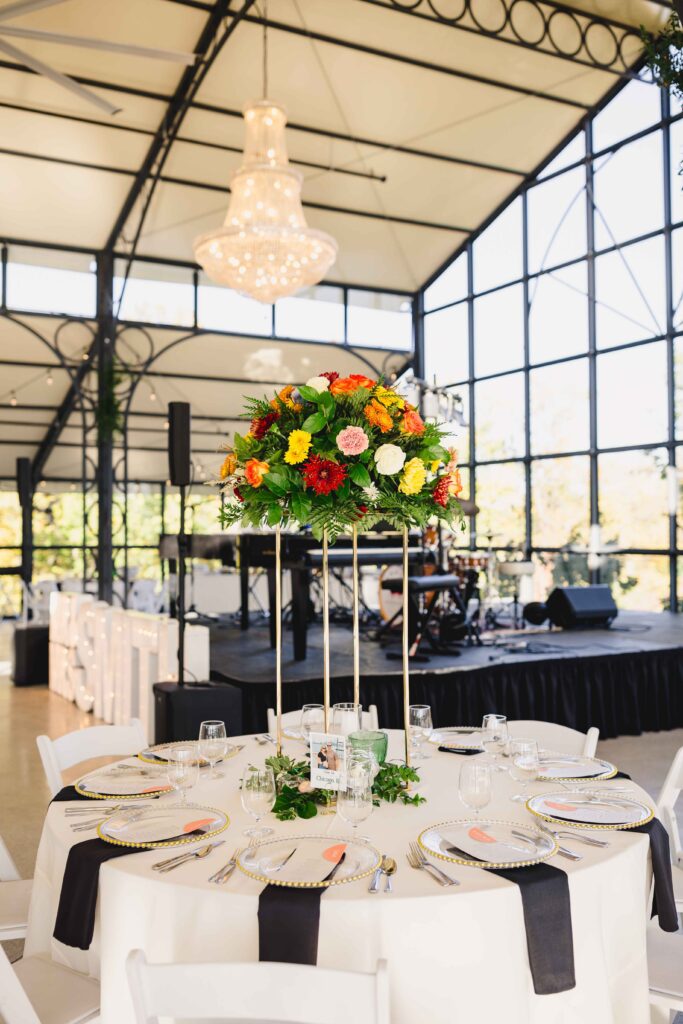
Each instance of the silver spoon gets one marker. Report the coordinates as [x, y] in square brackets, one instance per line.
[389, 867]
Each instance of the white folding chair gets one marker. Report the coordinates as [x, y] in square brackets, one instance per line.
[83, 744]
[15, 896]
[293, 719]
[665, 972]
[286, 993]
[36, 990]
[666, 810]
[559, 738]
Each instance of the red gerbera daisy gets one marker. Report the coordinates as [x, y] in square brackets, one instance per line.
[331, 375]
[262, 424]
[323, 475]
[441, 491]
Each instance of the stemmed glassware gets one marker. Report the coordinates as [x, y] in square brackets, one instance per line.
[420, 718]
[524, 765]
[475, 785]
[354, 798]
[347, 717]
[213, 745]
[258, 797]
[494, 730]
[312, 720]
[183, 770]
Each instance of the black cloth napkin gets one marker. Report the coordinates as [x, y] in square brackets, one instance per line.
[544, 890]
[664, 901]
[289, 922]
[459, 750]
[69, 793]
[75, 921]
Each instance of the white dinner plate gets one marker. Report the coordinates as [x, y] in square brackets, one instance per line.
[567, 767]
[126, 780]
[172, 825]
[161, 753]
[459, 737]
[488, 843]
[586, 810]
[305, 862]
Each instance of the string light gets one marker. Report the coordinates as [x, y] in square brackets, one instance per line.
[49, 380]
[13, 399]
[152, 396]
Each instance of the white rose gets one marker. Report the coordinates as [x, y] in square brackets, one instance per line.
[318, 384]
[389, 459]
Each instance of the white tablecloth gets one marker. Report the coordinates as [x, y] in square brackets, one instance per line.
[455, 955]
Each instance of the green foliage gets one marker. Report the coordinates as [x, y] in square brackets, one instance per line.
[108, 413]
[392, 782]
[664, 54]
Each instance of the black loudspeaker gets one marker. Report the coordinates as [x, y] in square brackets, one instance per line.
[180, 710]
[31, 663]
[24, 482]
[179, 443]
[579, 607]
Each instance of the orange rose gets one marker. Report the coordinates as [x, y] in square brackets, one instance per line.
[378, 416]
[254, 472]
[229, 465]
[347, 385]
[363, 381]
[412, 422]
[285, 396]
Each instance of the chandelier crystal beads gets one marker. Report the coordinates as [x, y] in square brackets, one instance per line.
[265, 249]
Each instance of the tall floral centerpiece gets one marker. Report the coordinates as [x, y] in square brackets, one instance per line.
[339, 454]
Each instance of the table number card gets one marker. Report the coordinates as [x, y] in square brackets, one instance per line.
[328, 760]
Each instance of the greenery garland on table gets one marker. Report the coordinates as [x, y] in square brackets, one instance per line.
[296, 798]
[339, 452]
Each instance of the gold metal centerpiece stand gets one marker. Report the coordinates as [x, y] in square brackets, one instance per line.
[278, 636]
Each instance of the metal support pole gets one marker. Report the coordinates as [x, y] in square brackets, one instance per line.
[670, 352]
[594, 574]
[105, 344]
[182, 551]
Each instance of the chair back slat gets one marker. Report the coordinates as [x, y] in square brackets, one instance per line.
[85, 744]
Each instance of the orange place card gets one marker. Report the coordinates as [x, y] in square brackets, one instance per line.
[480, 836]
[561, 807]
[335, 853]
[192, 826]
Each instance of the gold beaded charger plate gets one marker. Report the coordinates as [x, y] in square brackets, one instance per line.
[161, 753]
[174, 825]
[126, 780]
[587, 810]
[488, 843]
[569, 767]
[459, 737]
[305, 862]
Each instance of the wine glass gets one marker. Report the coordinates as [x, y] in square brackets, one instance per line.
[420, 719]
[475, 786]
[213, 745]
[258, 797]
[524, 765]
[312, 720]
[354, 798]
[365, 758]
[347, 717]
[183, 770]
[494, 738]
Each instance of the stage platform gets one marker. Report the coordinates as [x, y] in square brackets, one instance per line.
[624, 680]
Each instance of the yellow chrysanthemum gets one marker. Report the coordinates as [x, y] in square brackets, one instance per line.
[297, 450]
[413, 477]
[388, 398]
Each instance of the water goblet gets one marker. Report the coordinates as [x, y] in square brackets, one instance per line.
[354, 798]
[258, 796]
[183, 770]
[347, 717]
[475, 786]
[524, 765]
[494, 730]
[420, 718]
[312, 720]
[213, 745]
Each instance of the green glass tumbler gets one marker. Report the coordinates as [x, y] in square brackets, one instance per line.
[375, 741]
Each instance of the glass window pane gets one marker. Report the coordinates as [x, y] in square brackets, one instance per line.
[630, 293]
[58, 518]
[558, 569]
[497, 253]
[678, 378]
[638, 582]
[676, 178]
[559, 409]
[380, 319]
[633, 498]
[51, 282]
[446, 345]
[144, 516]
[10, 518]
[10, 586]
[635, 107]
[677, 247]
[557, 220]
[573, 151]
[628, 192]
[560, 491]
[631, 393]
[316, 313]
[499, 331]
[449, 286]
[558, 314]
[501, 496]
[499, 417]
[223, 309]
[154, 294]
[459, 434]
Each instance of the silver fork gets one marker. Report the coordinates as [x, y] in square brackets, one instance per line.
[224, 873]
[417, 860]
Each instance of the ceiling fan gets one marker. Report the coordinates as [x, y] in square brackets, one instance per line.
[13, 10]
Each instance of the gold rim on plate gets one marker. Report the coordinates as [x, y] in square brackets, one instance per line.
[308, 885]
[233, 752]
[581, 779]
[456, 729]
[168, 788]
[153, 845]
[584, 824]
[487, 864]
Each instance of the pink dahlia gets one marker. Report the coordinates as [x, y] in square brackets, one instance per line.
[352, 440]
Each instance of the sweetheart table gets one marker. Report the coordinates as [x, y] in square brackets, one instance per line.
[455, 955]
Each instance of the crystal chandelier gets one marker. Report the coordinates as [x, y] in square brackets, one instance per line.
[265, 248]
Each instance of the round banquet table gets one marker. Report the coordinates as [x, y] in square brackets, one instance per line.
[455, 954]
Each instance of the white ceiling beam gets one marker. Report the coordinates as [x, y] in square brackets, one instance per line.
[57, 77]
[174, 56]
[25, 7]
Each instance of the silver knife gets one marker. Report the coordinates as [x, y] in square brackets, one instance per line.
[179, 858]
[283, 862]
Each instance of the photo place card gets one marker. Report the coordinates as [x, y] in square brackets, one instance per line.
[328, 760]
